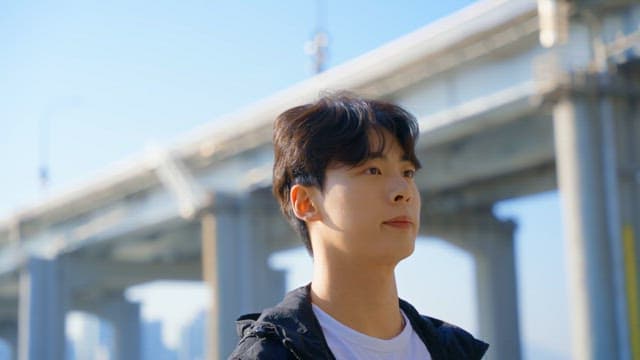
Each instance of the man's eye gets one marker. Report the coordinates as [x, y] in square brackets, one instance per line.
[373, 171]
[410, 173]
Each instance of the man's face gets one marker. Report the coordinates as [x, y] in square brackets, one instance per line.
[370, 213]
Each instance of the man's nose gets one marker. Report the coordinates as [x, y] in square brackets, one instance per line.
[400, 191]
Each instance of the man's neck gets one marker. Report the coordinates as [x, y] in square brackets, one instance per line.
[362, 298]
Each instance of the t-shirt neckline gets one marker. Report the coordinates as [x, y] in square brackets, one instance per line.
[350, 335]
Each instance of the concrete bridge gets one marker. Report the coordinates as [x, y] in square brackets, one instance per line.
[513, 98]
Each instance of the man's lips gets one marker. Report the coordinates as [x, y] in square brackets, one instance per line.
[400, 221]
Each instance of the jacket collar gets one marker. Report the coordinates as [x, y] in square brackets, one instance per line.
[294, 322]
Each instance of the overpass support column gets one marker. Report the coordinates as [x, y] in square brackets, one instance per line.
[491, 243]
[628, 146]
[496, 287]
[582, 180]
[42, 310]
[9, 333]
[236, 237]
[124, 316]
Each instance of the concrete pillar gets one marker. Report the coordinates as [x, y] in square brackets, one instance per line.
[9, 333]
[124, 316]
[236, 246]
[491, 242]
[579, 160]
[496, 286]
[620, 119]
[628, 159]
[42, 311]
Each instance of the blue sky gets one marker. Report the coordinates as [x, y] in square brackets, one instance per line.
[106, 78]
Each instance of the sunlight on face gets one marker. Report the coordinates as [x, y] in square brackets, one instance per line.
[371, 212]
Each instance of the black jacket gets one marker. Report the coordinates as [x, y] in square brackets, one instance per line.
[290, 330]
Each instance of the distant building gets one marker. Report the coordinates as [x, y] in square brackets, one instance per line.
[106, 341]
[192, 338]
[5, 350]
[153, 348]
[96, 343]
[70, 350]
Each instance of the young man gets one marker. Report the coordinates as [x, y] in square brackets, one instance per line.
[343, 175]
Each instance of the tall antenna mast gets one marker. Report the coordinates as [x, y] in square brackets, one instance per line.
[43, 152]
[318, 46]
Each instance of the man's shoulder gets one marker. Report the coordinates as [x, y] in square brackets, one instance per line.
[260, 339]
[285, 331]
[457, 340]
[258, 346]
[446, 340]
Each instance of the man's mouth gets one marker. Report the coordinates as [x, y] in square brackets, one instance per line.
[401, 222]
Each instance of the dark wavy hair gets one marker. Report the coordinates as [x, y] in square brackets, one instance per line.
[333, 129]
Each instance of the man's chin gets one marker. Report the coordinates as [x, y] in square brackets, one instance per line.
[397, 254]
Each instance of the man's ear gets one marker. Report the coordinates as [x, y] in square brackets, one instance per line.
[302, 203]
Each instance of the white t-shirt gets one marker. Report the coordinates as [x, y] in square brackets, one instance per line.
[346, 343]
